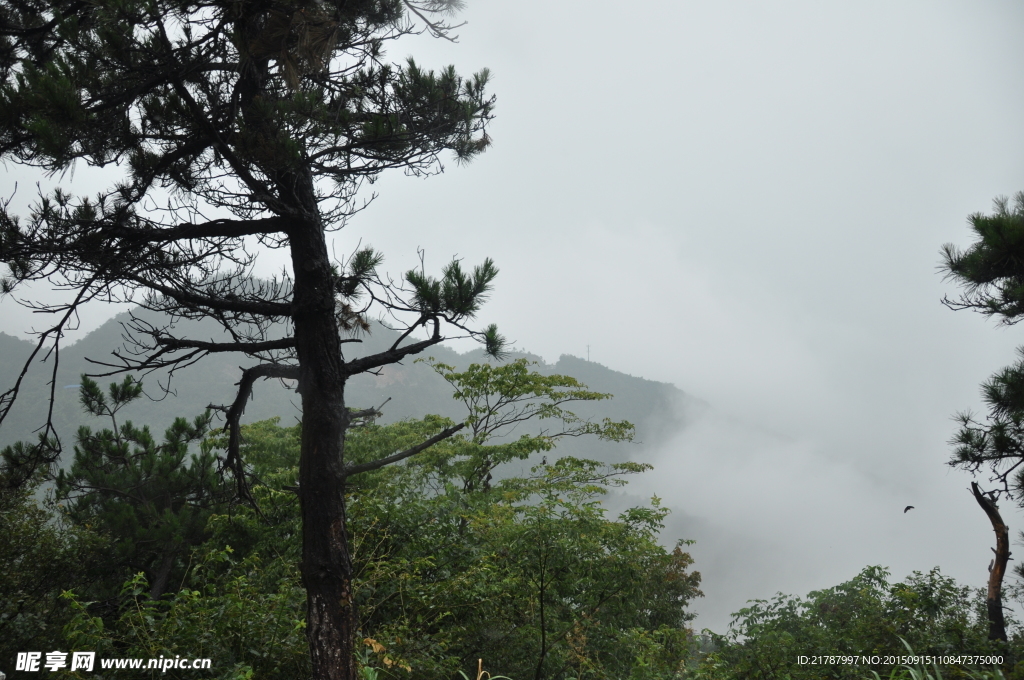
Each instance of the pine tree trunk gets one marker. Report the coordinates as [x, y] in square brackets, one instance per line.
[159, 585]
[326, 560]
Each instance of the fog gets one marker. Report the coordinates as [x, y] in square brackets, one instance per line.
[746, 200]
[771, 513]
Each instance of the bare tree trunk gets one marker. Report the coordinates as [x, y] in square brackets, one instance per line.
[994, 600]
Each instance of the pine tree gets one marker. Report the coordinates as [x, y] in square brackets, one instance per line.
[152, 499]
[991, 272]
[253, 123]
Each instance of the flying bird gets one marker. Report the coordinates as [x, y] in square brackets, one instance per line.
[909, 507]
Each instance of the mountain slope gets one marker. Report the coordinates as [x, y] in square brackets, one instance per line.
[411, 388]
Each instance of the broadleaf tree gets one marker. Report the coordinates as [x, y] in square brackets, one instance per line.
[233, 127]
[867, 616]
[499, 399]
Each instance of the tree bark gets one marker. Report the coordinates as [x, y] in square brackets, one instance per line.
[326, 560]
[994, 599]
[159, 585]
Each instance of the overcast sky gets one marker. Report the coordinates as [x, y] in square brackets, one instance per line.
[746, 199]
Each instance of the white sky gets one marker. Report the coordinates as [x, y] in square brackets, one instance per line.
[746, 199]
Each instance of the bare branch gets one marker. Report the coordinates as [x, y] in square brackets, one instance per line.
[394, 458]
[8, 398]
[214, 229]
[273, 309]
[233, 415]
[390, 356]
[367, 414]
[247, 347]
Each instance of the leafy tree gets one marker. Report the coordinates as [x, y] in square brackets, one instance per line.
[43, 554]
[465, 564]
[240, 614]
[253, 123]
[867, 615]
[152, 499]
[242, 604]
[499, 399]
[582, 587]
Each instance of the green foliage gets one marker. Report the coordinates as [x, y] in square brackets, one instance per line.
[498, 399]
[248, 620]
[152, 499]
[991, 270]
[43, 554]
[269, 116]
[589, 594]
[864, 616]
[998, 438]
[126, 504]
[361, 266]
[368, 114]
[457, 296]
[23, 463]
[526, 571]
[242, 603]
[991, 274]
[530, 574]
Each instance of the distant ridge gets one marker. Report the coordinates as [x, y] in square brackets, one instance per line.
[657, 409]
